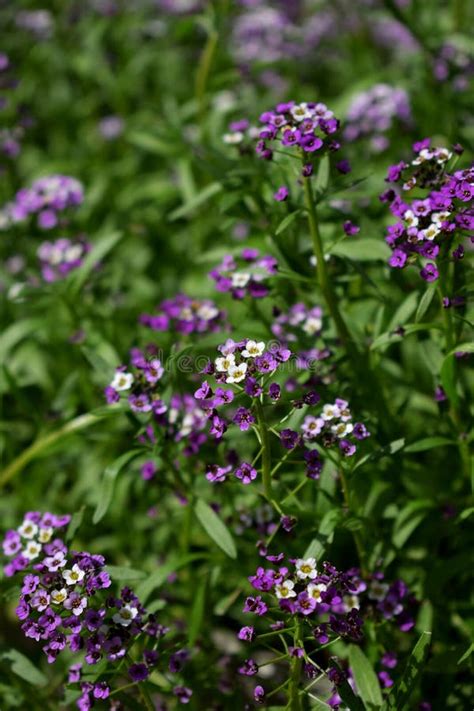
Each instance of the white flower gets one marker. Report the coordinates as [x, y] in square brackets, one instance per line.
[410, 218]
[223, 364]
[330, 412]
[236, 373]
[73, 576]
[186, 314]
[73, 253]
[32, 550]
[122, 381]
[439, 217]
[312, 325]
[351, 602]
[28, 529]
[45, 534]
[125, 615]
[430, 232]
[58, 596]
[240, 279]
[377, 590]
[443, 155]
[306, 568]
[312, 426]
[285, 589]
[342, 429]
[253, 349]
[233, 138]
[300, 112]
[314, 590]
[207, 312]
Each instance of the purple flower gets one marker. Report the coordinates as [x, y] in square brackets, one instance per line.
[385, 679]
[398, 259]
[246, 634]
[246, 473]
[138, 672]
[429, 272]
[217, 474]
[252, 387]
[310, 143]
[256, 605]
[183, 694]
[244, 419]
[281, 194]
[289, 438]
[274, 391]
[248, 668]
[347, 447]
[259, 694]
[350, 228]
[148, 470]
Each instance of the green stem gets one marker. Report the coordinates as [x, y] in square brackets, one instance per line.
[323, 279]
[35, 449]
[203, 71]
[294, 701]
[266, 451]
[356, 534]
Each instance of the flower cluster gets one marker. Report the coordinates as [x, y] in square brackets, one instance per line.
[46, 198]
[264, 34]
[60, 605]
[333, 426]
[61, 257]
[373, 113]
[454, 65]
[14, 118]
[245, 275]
[139, 385]
[307, 125]
[302, 324]
[428, 226]
[183, 314]
[328, 603]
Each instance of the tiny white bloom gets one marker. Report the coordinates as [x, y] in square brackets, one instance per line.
[439, 217]
[330, 412]
[443, 155]
[430, 232]
[28, 529]
[312, 325]
[300, 112]
[351, 602]
[233, 138]
[207, 312]
[125, 615]
[224, 363]
[32, 550]
[73, 253]
[341, 429]
[73, 576]
[315, 589]
[236, 373]
[306, 568]
[186, 314]
[285, 589]
[240, 279]
[410, 218]
[377, 590]
[122, 381]
[253, 349]
[45, 534]
[58, 596]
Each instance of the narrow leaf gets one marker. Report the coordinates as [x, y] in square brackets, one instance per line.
[287, 221]
[22, 667]
[428, 443]
[365, 249]
[107, 485]
[156, 579]
[425, 302]
[215, 528]
[198, 200]
[366, 680]
[401, 693]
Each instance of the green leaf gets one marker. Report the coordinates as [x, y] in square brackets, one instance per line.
[287, 221]
[318, 545]
[75, 523]
[409, 519]
[389, 337]
[425, 302]
[404, 311]
[100, 249]
[402, 691]
[428, 443]
[156, 579]
[121, 572]
[347, 695]
[215, 528]
[365, 249]
[366, 680]
[466, 654]
[322, 176]
[151, 144]
[447, 372]
[15, 333]
[198, 200]
[107, 484]
[22, 667]
[197, 612]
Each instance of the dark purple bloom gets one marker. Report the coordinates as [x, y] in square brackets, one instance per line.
[246, 473]
[138, 672]
[243, 418]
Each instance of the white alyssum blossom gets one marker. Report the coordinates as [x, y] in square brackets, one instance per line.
[28, 529]
[377, 590]
[306, 568]
[312, 325]
[32, 550]
[315, 590]
[240, 279]
[341, 429]
[253, 349]
[73, 576]
[125, 615]
[58, 596]
[122, 381]
[351, 602]
[236, 373]
[45, 534]
[224, 363]
[330, 412]
[285, 589]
